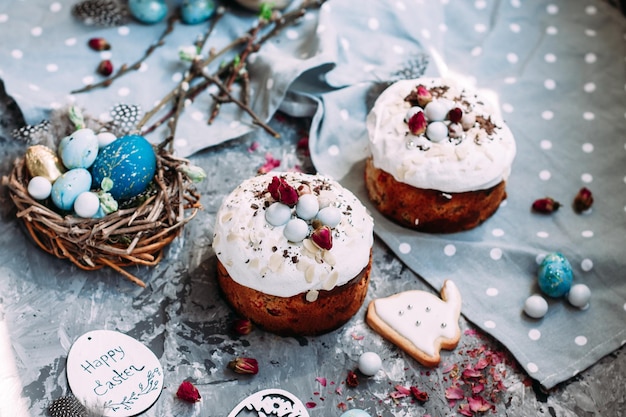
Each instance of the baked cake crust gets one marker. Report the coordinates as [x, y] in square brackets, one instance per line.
[427, 210]
[295, 316]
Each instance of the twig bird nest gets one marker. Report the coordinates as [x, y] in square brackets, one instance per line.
[135, 234]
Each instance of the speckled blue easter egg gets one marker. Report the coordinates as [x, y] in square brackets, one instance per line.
[196, 11]
[78, 150]
[130, 164]
[148, 11]
[555, 275]
[356, 412]
[69, 186]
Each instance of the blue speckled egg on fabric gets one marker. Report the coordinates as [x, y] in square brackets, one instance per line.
[129, 162]
[148, 11]
[555, 275]
[196, 11]
[69, 186]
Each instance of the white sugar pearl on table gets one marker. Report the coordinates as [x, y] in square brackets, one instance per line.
[369, 363]
[86, 204]
[330, 216]
[277, 214]
[296, 230]
[39, 188]
[579, 296]
[536, 306]
[307, 206]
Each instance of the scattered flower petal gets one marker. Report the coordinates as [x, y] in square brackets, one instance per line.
[270, 164]
[188, 392]
[583, 200]
[352, 380]
[244, 366]
[454, 393]
[545, 205]
[242, 326]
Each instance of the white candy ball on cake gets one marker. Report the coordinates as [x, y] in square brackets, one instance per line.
[278, 214]
[307, 206]
[330, 216]
[436, 111]
[437, 131]
[296, 230]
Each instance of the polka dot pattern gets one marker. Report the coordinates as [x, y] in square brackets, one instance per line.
[535, 83]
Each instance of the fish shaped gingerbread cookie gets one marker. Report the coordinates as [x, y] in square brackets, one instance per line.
[419, 322]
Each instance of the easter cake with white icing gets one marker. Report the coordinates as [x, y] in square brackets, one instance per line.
[440, 156]
[294, 252]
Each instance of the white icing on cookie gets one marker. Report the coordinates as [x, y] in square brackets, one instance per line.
[259, 256]
[422, 317]
[478, 160]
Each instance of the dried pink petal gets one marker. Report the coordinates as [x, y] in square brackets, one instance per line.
[481, 364]
[464, 409]
[478, 388]
[321, 380]
[470, 373]
[419, 395]
[478, 404]
[448, 368]
[310, 404]
[270, 164]
[253, 146]
[454, 393]
[403, 391]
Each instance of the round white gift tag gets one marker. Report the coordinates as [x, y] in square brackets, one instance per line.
[113, 374]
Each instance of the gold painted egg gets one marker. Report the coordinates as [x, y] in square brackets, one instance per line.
[43, 162]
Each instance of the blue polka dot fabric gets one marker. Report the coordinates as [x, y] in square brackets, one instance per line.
[555, 67]
[556, 71]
